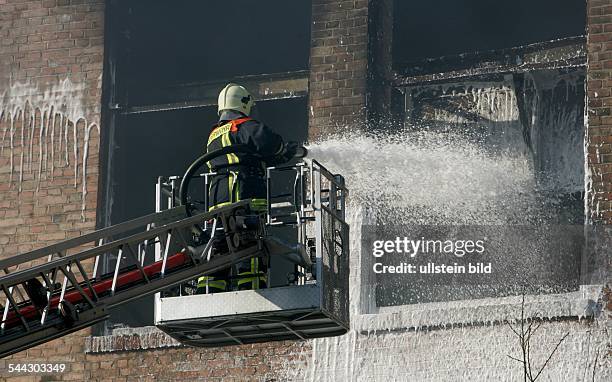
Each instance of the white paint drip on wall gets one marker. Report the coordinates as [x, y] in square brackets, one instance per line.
[51, 116]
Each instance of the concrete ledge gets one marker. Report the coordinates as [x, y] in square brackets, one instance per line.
[130, 339]
[579, 304]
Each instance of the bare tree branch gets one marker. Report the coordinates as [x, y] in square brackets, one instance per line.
[529, 373]
[595, 364]
[550, 356]
[522, 338]
[525, 333]
[537, 327]
[511, 328]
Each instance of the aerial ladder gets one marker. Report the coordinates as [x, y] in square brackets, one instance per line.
[56, 290]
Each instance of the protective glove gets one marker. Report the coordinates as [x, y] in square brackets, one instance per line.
[290, 149]
[293, 150]
[301, 152]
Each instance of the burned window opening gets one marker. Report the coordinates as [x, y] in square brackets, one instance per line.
[507, 98]
[536, 96]
[438, 28]
[166, 64]
[555, 54]
[177, 43]
[538, 115]
[533, 124]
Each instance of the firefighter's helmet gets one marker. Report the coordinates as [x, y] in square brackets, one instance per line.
[235, 97]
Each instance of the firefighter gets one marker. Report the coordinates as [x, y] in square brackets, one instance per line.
[241, 176]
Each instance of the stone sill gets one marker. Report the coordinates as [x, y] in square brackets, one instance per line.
[130, 339]
[579, 304]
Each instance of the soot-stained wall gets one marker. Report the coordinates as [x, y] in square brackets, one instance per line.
[437, 28]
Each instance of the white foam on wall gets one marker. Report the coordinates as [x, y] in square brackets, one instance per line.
[446, 179]
[456, 341]
[58, 118]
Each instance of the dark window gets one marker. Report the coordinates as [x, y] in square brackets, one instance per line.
[178, 42]
[162, 55]
[486, 101]
[445, 27]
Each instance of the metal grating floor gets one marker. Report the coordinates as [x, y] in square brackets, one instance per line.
[275, 314]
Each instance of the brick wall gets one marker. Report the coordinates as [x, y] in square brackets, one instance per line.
[599, 116]
[259, 362]
[51, 55]
[338, 64]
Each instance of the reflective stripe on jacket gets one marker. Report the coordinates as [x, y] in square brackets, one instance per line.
[240, 175]
[254, 278]
[207, 284]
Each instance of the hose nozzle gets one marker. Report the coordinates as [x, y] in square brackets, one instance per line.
[301, 152]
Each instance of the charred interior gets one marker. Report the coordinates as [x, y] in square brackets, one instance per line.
[508, 78]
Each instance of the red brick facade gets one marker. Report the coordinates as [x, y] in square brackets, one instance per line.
[51, 55]
[599, 117]
[51, 58]
[338, 61]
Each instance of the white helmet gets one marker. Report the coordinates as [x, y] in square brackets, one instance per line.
[235, 97]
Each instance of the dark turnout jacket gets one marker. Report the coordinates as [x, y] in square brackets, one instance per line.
[241, 175]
